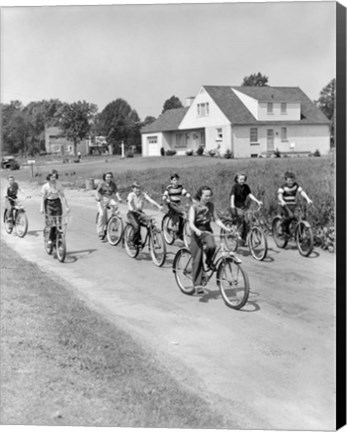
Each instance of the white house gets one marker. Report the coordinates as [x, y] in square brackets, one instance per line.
[248, 121]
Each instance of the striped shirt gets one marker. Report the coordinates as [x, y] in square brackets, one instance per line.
[174, 193]
[289, 193]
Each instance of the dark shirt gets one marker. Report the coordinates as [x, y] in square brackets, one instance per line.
[13, 190]
[241, 193]
[107, 189]
[203, 215]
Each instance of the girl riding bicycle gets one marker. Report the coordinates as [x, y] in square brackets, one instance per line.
[51, 201]
[136, 215]
[201, 213]
[106, 195]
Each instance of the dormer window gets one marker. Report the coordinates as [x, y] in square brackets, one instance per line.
[270, 107]
[283, 108]
[203, 109]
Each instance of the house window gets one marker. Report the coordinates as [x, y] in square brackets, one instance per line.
[152, 140]
[283, 108]
[270, 107]
[254, 136]
[203, 109]
[284, 134]
[219, 133]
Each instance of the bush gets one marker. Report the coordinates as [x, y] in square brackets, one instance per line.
[316, 153]
[14, 165]
[189, 152]
[129, 154]
[170, 152]
[200, 151]
[228, 154]
[277, 153]
[162, 151]
[212, 153]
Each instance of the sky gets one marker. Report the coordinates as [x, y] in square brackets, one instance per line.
[146, 53]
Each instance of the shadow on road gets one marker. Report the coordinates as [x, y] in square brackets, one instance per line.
[250, 306]
[73, 256]
[34, 233]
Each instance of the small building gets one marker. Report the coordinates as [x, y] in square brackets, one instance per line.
[56, 143]
[247, 121]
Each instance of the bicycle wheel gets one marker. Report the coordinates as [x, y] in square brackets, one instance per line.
[182, 268]
[230, 240]
[257, 243]
[60, 245]
[48, 246]
[280, 237]
[157, 247]
[187, 234]
[233, 283]
[8, 224]
[21, 223]
[304, 238]
[131, 249]
[114, 230]
[169, 229]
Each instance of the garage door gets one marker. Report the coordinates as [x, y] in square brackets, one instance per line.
[153, 149]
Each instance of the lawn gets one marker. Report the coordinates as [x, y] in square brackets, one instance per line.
[63, 364]
[315, 174]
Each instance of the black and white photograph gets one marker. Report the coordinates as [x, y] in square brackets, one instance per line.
[172, 175]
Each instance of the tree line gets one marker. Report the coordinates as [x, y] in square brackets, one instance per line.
[23, 127]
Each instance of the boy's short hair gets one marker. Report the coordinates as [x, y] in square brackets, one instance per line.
[104, 175]
[289, 174]
[238, 175]
[136, 184]
[10, 176]
[175, 176]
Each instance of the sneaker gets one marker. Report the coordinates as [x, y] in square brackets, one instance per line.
[49, 243]
[199, 289]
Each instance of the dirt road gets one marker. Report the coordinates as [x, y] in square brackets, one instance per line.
[269, 366]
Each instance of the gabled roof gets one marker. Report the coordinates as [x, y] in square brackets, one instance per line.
[238, 114]
[168, 121]
[268, 94]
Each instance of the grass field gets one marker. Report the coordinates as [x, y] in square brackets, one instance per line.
[62, 364]
[315, 175]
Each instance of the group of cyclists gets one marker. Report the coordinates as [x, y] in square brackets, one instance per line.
[201, 212]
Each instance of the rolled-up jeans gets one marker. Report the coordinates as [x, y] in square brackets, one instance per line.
[198, 246]
[102, 209]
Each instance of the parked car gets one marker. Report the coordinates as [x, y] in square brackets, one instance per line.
[9, 162]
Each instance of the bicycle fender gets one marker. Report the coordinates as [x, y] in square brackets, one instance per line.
[307, 224]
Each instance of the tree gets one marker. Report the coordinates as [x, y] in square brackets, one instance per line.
[119, 122]
[172, 103]
[326, 103]
[76, 120]
[148, 120]
[255, 80]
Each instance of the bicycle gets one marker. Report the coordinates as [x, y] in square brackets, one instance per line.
[154, 239]
[16, 218]
[114, 226]
[170, 227]
[59, 223]
[231, 278]
[299, 229]
[256, 238]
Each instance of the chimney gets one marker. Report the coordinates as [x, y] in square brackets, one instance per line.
[189, 101]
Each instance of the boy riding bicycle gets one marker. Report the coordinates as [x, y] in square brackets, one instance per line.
[136, 216]
[287, 197]
[240, 192]
[106, 195]
[172, 196]
[12, 196]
